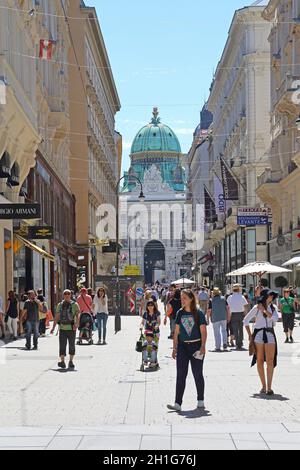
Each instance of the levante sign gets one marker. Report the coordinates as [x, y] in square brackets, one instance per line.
[20, 211]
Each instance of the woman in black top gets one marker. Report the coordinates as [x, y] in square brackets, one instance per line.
[12, 315]
[151, 319]
[189, 347]
[175, 306]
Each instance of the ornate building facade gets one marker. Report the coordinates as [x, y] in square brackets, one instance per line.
[279, 184]
[96, 148]
[152, 236]
[240, 102]
[19, 136]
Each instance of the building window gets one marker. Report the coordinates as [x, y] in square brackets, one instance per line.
[251, 245]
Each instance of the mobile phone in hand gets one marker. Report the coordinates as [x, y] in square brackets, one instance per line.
[198, 355]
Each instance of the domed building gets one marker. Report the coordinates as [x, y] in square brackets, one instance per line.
[154, 239]
[156, 144]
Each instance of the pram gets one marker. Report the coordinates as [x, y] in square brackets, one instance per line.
[86, 326]
[149, 351]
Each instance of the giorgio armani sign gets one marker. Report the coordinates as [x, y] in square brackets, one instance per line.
[20, 211]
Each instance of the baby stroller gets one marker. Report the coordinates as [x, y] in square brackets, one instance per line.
[86, 326]
[148, 346]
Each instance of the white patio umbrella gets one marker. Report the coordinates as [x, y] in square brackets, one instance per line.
[183, 282]
[292, 262]
[258, 269]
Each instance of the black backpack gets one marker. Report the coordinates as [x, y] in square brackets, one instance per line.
[66, 315]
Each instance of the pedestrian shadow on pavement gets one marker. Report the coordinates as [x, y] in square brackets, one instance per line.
[193, 414]
[63, 371]
[18, 349]
[275, 397]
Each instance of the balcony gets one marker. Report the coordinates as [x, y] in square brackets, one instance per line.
[283, 102]
[269, 176]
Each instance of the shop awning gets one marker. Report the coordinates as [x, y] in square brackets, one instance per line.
[36, 248]
[293, 261]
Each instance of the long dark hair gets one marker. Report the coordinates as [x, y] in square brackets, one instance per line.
[155, 306]
[11, 295]
[101, 289]
[266, 306]
[194, 307]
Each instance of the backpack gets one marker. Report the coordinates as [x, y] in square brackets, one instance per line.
[66, 314]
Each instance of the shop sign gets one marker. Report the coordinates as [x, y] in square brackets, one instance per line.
[40, 233]
[132, 270]
[252, 216]
[20, 211]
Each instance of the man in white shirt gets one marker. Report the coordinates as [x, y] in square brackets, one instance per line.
[238, 307]
[203, 300]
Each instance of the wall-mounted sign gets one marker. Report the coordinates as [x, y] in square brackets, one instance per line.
[20, 211]
[40, 233]
[252, 216]
[132, 271]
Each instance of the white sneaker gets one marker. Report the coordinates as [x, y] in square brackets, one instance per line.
[201, 405]
[175, 407]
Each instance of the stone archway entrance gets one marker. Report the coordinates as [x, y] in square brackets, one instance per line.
[155, 261]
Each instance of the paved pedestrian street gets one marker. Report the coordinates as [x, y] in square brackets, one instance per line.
[107, 403]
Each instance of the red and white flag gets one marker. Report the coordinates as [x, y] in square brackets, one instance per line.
[132, 299]
[46, 49]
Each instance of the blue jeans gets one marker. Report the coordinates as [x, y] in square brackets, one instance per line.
[220, 332]
[102, 317]
[32, 328]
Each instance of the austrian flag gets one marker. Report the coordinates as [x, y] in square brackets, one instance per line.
[46, 49]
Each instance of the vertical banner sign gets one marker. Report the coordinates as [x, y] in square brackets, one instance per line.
[210, 208]
[230, 184]
[219, 196]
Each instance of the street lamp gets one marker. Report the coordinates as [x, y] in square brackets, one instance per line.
[118, 300]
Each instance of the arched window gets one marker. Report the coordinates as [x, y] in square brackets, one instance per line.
[14, 178]
[5, 165]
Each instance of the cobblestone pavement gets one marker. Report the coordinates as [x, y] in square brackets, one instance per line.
[108, 403]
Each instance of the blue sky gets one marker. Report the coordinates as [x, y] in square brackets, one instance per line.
[163, 53]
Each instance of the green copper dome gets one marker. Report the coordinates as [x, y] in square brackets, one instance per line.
[155, 137]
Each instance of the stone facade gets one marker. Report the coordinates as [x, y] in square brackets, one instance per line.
[239, 101]
[279, 184]
[95, 146]
[19, 136]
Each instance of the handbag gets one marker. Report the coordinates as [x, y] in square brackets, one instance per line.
[139, 345]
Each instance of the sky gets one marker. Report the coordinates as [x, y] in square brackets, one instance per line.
[163, 53]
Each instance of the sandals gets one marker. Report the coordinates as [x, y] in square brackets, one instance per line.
[269, 393]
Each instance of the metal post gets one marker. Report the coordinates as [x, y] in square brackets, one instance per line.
[225, 243]
[118, 296]
[118, 303]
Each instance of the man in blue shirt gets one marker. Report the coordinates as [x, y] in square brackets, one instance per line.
[219, 313]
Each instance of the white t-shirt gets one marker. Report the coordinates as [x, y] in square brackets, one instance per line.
[237, 303]
[260, 320]
[101, 305]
